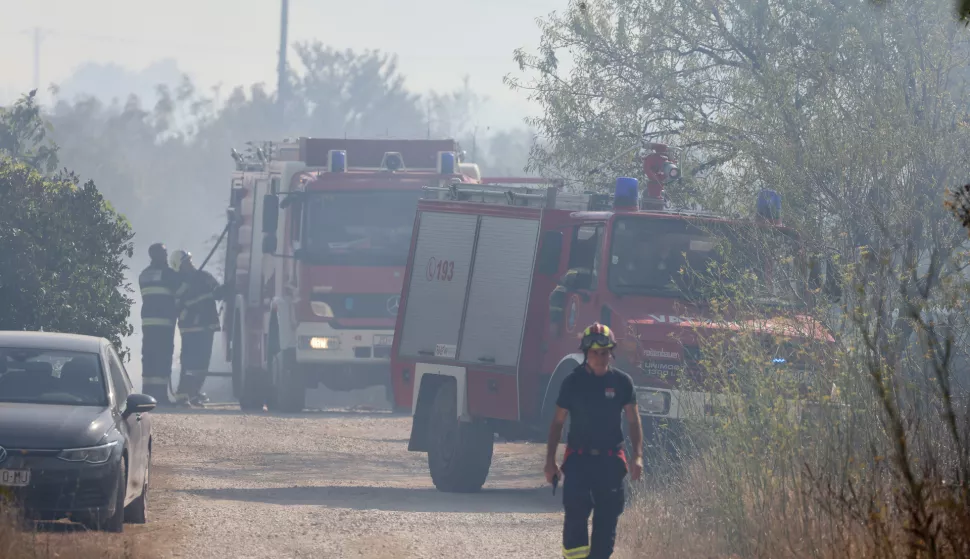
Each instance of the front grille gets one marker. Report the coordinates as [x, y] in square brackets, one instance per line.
[67, 496]
[365, 305]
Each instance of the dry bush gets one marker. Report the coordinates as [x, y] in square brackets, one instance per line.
[20, 540]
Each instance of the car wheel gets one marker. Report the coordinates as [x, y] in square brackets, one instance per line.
[137, 511]
[116, 522]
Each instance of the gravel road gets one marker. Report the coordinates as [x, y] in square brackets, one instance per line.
[335, 484]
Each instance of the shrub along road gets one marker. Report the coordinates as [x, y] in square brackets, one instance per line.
[335, 484]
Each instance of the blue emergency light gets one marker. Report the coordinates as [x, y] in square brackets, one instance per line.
[769, 205]
[337, 160]
[627, 193]
[446, 163]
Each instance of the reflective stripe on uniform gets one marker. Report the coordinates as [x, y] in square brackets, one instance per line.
[193, 329]
[182, 289]
[576, 552]
[157, 322]
[198, 300]
[155, 291]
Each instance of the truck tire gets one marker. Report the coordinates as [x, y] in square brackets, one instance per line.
[549, 402]
[289, 390]
[253, 390]
[236, 360]
[460, 453]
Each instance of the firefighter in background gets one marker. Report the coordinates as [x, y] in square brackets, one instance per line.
[198, 321]
[596, 397]
[574, 278]
[158, 283]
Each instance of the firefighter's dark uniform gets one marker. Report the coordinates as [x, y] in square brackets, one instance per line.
[570, 281]
[595, 464]
[158, 284]
[198, 322]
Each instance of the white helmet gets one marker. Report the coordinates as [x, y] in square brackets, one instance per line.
[177, 258]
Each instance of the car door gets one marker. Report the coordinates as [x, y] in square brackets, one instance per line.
[131, 425]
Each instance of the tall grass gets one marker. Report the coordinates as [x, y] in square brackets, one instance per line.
[23, 540]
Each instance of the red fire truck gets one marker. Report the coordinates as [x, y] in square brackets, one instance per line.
[316, 289]
[477, 350]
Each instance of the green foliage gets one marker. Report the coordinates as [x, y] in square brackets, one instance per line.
[23, 134]
[62, 250]
[857, 116]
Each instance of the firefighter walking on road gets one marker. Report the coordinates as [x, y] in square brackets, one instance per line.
[595, 397]
[198, 321]
[158, 284]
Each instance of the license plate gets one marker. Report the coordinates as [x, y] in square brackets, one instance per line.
[15, 478]
[386, 341]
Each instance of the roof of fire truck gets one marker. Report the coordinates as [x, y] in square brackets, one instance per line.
[339, 163]
[586, 206]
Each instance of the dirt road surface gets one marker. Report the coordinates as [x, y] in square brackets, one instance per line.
[335, 484]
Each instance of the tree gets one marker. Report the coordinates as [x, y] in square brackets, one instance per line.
[23, 134]
[857, 116]
[62, 245]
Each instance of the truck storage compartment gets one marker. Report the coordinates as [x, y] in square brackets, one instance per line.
[499, 292]
[439, 278]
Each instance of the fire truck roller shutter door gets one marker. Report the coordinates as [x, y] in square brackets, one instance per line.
[499, 295]
[439, 277]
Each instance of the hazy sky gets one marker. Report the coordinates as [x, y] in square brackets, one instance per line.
[235, 41]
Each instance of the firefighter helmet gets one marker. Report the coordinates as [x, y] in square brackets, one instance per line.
[597, 336]
[178, 258]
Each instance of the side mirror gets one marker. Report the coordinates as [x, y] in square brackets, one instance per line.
[139, 403]
[269, 243]
[549, 254]
[271, 212]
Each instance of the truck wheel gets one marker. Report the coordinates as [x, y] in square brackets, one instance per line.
[460, 453]
[253, 390]
[289, 390]
[236, 363]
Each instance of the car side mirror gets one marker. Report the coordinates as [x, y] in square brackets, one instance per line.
[139, 403]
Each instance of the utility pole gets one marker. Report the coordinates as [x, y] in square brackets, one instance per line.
[281, 87]
[37, 39]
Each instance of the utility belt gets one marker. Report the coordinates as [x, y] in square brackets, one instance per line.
[584, 451]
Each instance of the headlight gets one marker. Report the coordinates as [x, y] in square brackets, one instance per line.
[653, 402]
[320, 342]
[92, 454]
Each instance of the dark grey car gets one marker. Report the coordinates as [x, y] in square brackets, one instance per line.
[75, 441]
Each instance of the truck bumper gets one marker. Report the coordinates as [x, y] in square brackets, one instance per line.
[343, 359]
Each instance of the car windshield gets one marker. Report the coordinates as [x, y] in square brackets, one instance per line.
[360, 228]
[647, 256]
[50, 376]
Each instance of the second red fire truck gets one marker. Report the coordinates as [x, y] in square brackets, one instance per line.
[478, 349]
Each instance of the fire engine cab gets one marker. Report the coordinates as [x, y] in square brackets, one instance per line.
[318, 235]
[478, 348]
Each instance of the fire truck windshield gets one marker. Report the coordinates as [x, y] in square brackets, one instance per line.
[364, 228]
[648, 254]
